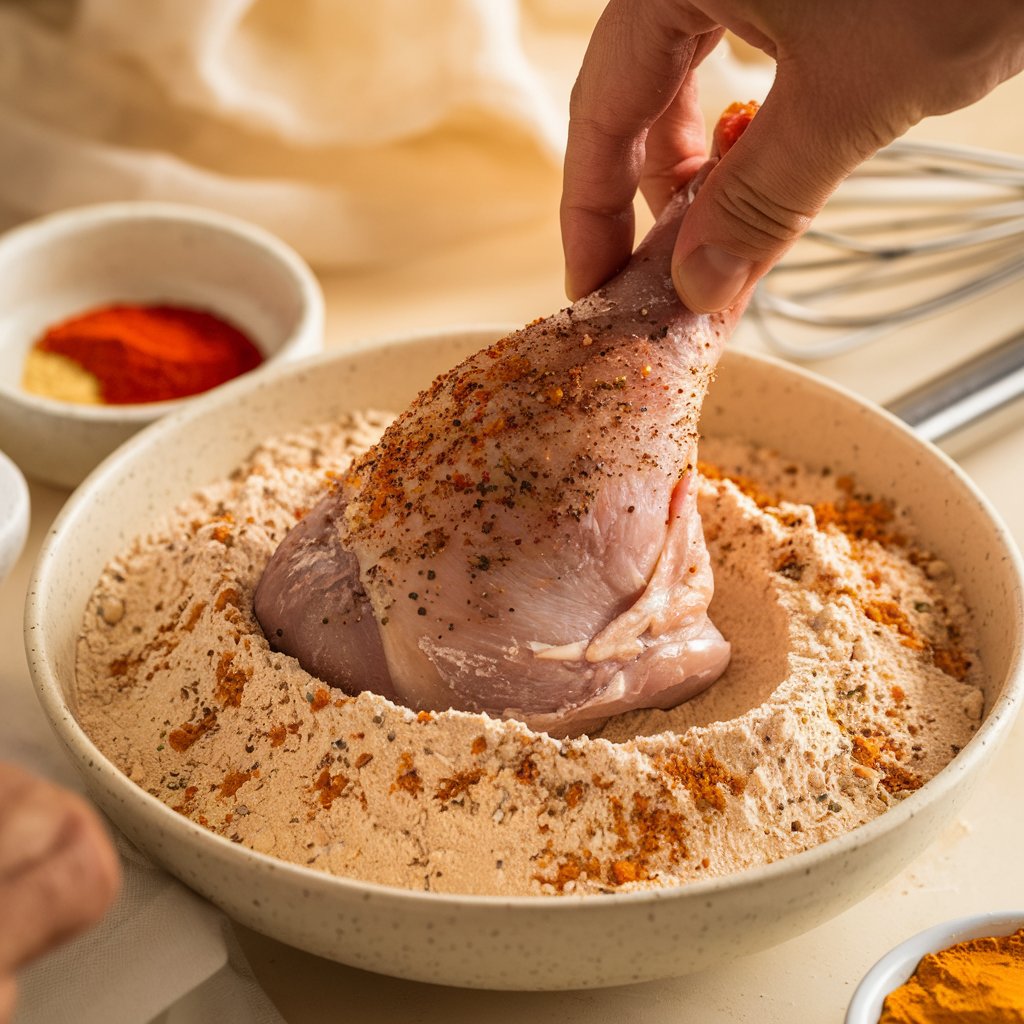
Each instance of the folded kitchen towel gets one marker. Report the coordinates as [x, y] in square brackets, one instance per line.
[360, 133]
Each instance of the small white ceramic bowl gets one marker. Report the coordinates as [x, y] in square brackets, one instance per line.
[14, 514]
[526, 942]
[899, 963]
[138, 252]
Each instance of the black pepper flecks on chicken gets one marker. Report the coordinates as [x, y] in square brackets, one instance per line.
[525, 540]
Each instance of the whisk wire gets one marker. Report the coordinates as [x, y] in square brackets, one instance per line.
[862, 272]
[972, 224]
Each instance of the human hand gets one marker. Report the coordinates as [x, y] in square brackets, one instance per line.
[58, 872]
[850, 78]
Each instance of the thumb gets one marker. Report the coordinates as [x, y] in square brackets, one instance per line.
[758, 199]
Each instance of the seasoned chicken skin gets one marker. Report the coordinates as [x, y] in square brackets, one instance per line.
[525, 540]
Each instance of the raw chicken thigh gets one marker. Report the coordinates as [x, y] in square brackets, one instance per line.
[525, 540]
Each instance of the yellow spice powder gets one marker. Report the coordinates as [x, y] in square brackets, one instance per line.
[50, 375]
[976, 982]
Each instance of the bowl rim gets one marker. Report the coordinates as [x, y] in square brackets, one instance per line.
[62, 226]
[994, 727]
[899, 963]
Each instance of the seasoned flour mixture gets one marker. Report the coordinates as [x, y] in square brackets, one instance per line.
[853, 681]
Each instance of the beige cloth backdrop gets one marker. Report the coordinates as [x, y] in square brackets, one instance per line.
[359, 132]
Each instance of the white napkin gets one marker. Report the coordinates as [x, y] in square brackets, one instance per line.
[359, 132]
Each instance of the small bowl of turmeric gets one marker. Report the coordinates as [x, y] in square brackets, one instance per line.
[114, 315]
[968, 969]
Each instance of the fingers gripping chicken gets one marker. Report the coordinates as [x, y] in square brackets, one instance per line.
[525, 540]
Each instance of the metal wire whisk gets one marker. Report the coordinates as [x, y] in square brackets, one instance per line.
[951, 229]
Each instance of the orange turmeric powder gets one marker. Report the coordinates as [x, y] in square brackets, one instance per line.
[981, 980]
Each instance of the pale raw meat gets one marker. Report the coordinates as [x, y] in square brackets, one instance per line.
[525, 540]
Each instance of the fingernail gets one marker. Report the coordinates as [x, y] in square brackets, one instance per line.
[711, 279]
[570, 290]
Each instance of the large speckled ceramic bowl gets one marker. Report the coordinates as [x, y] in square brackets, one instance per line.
[527, 942]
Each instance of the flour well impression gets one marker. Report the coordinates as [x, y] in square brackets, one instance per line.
[853, 681]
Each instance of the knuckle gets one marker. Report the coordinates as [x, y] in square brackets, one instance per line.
[96, 872]
[600, 136]
[602, 111]
[82, 873]
[758, 223]
[602, 166]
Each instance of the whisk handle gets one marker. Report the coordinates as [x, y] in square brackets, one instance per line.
[971, 402]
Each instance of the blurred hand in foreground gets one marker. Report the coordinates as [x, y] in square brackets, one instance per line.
[58, 872]
[850, 78]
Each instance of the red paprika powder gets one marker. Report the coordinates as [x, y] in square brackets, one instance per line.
[142, 353]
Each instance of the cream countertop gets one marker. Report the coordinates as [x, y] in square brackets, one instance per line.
[512, 279]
